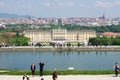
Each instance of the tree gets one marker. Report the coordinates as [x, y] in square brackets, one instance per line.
[92, 41]
[20, 41]
[116, 41]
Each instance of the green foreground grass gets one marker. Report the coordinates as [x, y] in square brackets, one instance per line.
[60, 72]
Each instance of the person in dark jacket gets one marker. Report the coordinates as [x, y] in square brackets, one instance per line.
[41, 64]
[33, 68]
[116, 66]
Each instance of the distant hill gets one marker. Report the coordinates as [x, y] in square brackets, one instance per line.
[7, 15]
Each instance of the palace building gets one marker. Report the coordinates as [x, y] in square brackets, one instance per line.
[59, 35]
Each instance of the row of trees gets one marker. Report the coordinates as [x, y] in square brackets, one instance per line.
[98, 29]
[104, 41]
[22, 27]
[13, 40]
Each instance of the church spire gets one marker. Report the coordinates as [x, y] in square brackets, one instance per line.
[103, 16]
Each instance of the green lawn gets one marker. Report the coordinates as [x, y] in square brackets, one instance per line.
[60, 72]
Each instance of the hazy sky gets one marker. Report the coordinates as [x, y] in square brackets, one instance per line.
[62, 8]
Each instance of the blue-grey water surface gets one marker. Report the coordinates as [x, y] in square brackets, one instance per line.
[60, 60]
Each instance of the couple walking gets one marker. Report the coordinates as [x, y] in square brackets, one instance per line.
[33, 68]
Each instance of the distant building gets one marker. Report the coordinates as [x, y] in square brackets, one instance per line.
[13, 34]
[110, 34]
[59, 35]
[2, 26]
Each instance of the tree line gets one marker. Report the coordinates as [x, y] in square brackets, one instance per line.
[99, 41]
[16, 40]
[22, 27]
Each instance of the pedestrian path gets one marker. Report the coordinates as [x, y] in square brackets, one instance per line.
[63, 77]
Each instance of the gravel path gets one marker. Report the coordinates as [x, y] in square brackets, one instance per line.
[63, 77]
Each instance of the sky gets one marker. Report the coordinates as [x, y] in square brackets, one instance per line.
[62, 8]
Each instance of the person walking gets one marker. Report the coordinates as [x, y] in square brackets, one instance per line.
[25, 77]
[42, 79]
[116, 66]
[33, 68]
[41, 64]
[54, 75]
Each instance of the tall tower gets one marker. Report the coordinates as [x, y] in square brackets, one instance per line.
[103, 17]
[59, 23]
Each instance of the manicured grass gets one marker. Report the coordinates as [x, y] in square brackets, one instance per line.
[2, 69]
[60, 72]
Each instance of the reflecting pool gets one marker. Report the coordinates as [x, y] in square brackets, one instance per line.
[60, 60]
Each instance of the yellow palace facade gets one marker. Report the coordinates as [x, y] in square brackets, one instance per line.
[59, 35]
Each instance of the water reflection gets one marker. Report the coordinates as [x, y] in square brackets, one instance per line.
[98, 53]
[101, 53]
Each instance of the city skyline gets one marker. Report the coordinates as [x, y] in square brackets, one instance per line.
[62, 8]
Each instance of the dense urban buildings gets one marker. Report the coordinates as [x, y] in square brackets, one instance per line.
[59, 35]
[101, 21]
